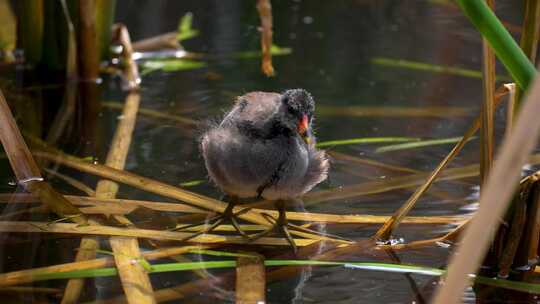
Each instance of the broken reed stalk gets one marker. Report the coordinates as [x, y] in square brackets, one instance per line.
[488, 106]
[91, 205]
[386, 230]
[163, 189]
[131, 73]
[264, 7]
[26, 169]
[494, 200]
[250, 279]
[29, 275]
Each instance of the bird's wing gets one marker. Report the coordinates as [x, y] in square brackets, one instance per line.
[254, 107]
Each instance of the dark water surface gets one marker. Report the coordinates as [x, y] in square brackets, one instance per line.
[334, 44]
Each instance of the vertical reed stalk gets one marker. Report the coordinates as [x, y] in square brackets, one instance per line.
[88, 47]
[488, 107]
[66, 111]
[250, 279]
[528, 251]
[264, 7]
[104, 19]
[31, 24]
[486, 133]
[530, 32]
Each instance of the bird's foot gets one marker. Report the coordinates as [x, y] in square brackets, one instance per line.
[280, 224]
[214, 222]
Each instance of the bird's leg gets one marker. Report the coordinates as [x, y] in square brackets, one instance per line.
[281, 223]
[218, 220]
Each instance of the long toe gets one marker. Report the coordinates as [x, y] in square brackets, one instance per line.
[289, 238]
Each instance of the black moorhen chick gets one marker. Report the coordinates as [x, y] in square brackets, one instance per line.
[265, 147]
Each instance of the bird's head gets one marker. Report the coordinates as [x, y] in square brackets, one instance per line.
[298, 108]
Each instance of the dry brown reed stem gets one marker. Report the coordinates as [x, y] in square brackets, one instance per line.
[72, 182]
[165, 235]
[494, 200]
[28, 275]
[163, 189]
[264, 7]
[26, 169]
[88, 49]
[121, 34]
[488, 106]
[157, 43]
[386, 230]
[90, 205]
[250, 279]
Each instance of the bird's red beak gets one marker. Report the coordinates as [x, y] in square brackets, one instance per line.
[303, 129]
[303, 125]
